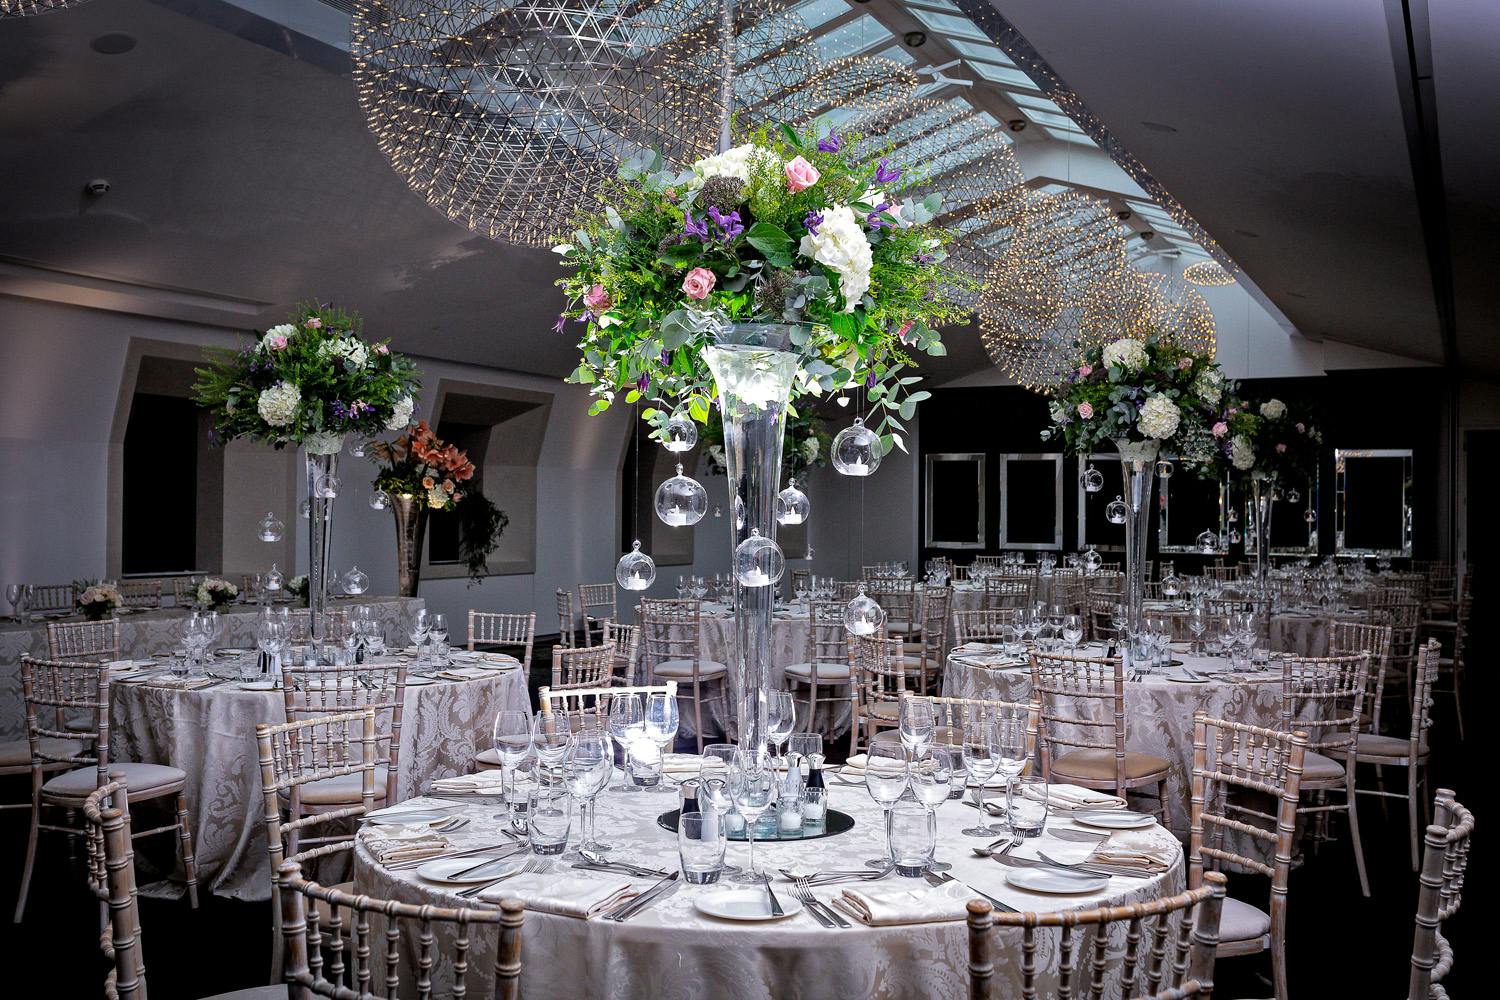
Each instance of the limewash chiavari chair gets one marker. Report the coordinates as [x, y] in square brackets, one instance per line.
[1169, 952]
[827, 664]
[111, 867]
[957, 574]
[898, 597]
[1453, 667]
[1324, 696]
[565, 634]
[312, 690]
[1444, 866]
[54, 689]
[1082, 729]
[54, 597]
[877, 680]
[141, 593]
[588, 708]
[1403, 617]
[979, 626]
[513, 634]
[184, 592]
[672, 634]
[953, 716]
[1234, 767]
[1346, 638]
[993, 561]
[582, 666]
[1409, 751]
[925, 656]
[599, 605]
[798, 578]
[311, 753]
[96, 639]
[1009, 592]
[1102, 617]
[380, 948]
[627, 642]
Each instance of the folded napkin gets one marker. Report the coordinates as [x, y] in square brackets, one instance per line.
[463, 673]
[128, 666]
[390, 844]
[856, 763]
[567, 897]
[884, 905]
[183, 683]
[980, 647]
[1074, 797]
[682, 764]
[483, 782]
[1139, 849]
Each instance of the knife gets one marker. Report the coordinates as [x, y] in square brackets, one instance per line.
[645, 899]
[939, 878]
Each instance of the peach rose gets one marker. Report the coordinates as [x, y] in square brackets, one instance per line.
[427, 482]
[597, 299]
[800, 175]
[698, 283]
[1220, 429]
[1085, 411]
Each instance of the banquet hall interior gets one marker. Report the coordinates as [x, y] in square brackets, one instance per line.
[708, 498]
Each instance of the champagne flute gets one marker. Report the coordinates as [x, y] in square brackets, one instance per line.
[512, 735]
[752, 782]
[886, 777]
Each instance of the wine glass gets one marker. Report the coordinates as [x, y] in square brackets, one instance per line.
[1198, 624]
[627, 723]
[13, 594]
[979, 762]
[1008, 748]
[550, 734]
[781, 718]
[267, 631]
[437, 635]
[681, 586]
[587, 763]
[420, 626]
[717, 789]
[930, 777]
[916, 725]
[1072, 631]
[752, 783]
[886, 776]
[661, 727]
[512, 735]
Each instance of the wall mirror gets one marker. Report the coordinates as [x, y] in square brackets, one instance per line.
[1094, 529]
[1187, 505]
[1031, 504]
[1374, 501]
[954, 501]
[1294, 520]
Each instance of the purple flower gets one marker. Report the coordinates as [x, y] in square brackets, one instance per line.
[830, 144]
[666, 357]
[874, 221]
[729, 225]
[925, 258]
[870, 379]
[812, 221]
[884, 174]
[695, 228]
[558, 326]
[642, 382]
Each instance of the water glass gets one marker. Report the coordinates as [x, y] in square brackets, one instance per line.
[549, 813]
[701, 841]
[911, 832]
[1027, 807]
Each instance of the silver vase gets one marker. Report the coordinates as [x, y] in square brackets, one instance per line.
[1138, 473]
[411, 533]
[753, 365]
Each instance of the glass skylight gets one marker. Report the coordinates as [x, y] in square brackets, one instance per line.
[818, 12]
[858, 35]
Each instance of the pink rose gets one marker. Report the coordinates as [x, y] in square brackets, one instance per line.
[382, 349]
[1220, 429]
[313, 323]
[905, 329]
[1183, 364]
[698, 283]
[1301, 428]
[800, 175]
[1085, 411]
[1280, 448]
[1084, 371]
[276, 343]
[671, 194]
[597, 299]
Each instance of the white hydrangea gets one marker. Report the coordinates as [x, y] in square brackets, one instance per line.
[1273, 409]
[1159, 417]
[810, 449]
[401, 414]
[351, 349]
[1126, 353]
[841, 245]
[277, 405]
[730, 163]
[1241, 454]
[1210, 386]
[324, 443]
[277, 335]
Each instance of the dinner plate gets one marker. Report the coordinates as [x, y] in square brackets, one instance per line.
[746, 904]
[1113, 819]
[412, 681]
[128, 666]
[132, 678]
[406, 817]
[1052, 880]
[258, 686]
[1188, 680]
[444, 871]
[233, 651]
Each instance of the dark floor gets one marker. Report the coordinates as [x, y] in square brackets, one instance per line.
[1337, 939]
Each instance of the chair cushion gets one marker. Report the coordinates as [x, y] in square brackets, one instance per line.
[143, 780]
[1099, 765]
[343, 790]
[828, 673]
[1242, 922]
[17, 753]
[678, 669]
[895, 625]
[1316, 767]
[253, 993]
[1386, 746]
[882, 710]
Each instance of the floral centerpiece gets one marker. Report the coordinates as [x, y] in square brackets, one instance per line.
[807, 444]
[215, 593]
[310, 382]
[98, 601]
[297, 587]
[420, 472]
[795, 264]
[1137, 394]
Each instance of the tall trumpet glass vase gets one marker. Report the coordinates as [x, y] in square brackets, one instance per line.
[410, 513]
[1138, 474]
[322, 460]
[753, 365]
[1263, 502]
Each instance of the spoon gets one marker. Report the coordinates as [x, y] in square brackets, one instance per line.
[989, 849]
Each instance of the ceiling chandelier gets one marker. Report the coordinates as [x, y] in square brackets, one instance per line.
[28, 8]
[1146, 303]
[1207, 273]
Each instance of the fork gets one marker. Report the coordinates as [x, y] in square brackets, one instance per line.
[802, 889]
[536, 866]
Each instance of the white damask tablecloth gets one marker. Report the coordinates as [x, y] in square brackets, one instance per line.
[1158, 710]
[148, 633]
[210, 734]
[672, 952]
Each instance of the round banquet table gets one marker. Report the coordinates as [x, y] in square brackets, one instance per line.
[1158, 708]
[1295, 631]
[209, 733]
[670, 951]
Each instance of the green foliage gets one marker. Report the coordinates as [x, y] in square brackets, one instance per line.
[480, 524]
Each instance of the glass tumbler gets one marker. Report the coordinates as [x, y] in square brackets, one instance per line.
[549, 813]
[912, 830]
[1028, 806]
[700, 846]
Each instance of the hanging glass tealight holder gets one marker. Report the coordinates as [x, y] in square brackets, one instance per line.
[862, 615]
[304, 510]
[271, 528]
[681, 500]
[1234, 515]
[1115, 511]
[355, 581]
[1207, 541]
[1234, 536]
[1294, 496]
[1309, 516]
[635, 570]
[1164, 469]
[792, 506]
[1171, 586]
[357, 448]
[1092, 560]
[682, 433]
[275, 579]
[758, 561]
[856, 450]
[327, 486]
[1092, 480]
[380, 499]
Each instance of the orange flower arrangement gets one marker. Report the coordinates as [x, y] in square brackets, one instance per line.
[419, 462]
